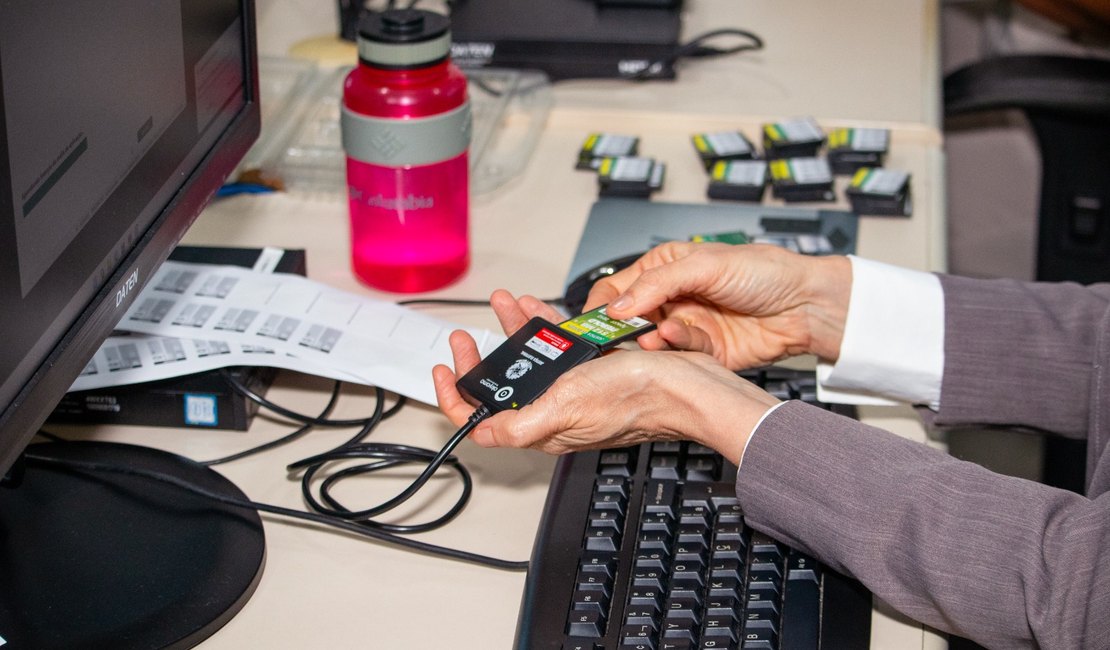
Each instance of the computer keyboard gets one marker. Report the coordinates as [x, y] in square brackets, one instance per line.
[645, 548]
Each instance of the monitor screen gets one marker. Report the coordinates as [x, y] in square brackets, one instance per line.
[118, 121]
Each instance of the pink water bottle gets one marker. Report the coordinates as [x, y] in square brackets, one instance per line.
[406, 129]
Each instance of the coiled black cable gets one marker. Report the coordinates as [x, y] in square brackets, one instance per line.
[382, 455]
[386, 456]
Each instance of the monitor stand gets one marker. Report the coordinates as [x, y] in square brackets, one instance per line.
[106, 560]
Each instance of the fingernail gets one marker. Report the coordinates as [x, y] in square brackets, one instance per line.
[623, 301]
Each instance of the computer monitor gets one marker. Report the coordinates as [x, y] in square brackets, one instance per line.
[118, 122]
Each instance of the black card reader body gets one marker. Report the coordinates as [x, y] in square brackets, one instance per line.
[525, 365]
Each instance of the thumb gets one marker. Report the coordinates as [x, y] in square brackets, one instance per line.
[505, 429]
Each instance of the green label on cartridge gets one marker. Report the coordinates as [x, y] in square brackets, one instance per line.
[597, 327]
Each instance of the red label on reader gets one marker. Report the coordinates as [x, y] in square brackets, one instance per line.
[551, 338]
[548, 343]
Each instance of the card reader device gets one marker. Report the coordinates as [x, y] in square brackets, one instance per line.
[523, 367]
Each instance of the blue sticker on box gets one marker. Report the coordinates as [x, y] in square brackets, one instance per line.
[200, 410]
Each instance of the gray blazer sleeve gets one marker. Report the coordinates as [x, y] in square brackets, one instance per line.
[1023, 354]
[1006, 562]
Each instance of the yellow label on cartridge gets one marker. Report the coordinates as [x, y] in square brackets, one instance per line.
[719, 169]
[574, 327]
[700, 144]
[780, 169]
[774, 132]
[860, 177]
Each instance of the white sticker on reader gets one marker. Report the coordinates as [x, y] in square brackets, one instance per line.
[548, 343]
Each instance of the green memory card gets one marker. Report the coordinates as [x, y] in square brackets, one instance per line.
[598, 328]
[735, 237]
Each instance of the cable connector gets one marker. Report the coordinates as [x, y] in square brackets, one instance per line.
[479, 414]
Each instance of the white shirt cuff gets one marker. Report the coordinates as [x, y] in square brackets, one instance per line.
[893, 345]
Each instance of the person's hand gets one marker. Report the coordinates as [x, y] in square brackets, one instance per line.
[512, 314]
[619, 399]
[747, 305]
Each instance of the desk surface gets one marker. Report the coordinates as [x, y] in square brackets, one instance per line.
[328, 589]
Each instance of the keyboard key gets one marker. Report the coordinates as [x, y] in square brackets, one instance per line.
[694, 515]
[692, 534]
[687, 587]
[780, 389]
[615, 470]
[651, 560]
[664, 467]
[723, 501]
[724, 587]
[758, 640]
[654, 541]
[757, 619]
[726, 606]
[590, 625]
[666, 447]
[609, 501]
[604, 563]
[728, 511]
[721, 627]
[602, 539]
[729, 532]
[642, 616]
[691, 552]
[761, 543]
[660, 496]
[657, 522]
[622, 457]
[727, 551]
[770, 587]
[688, 570]
[594, 581]
[637, 634]
[758, 600]
[683, 609]
[649, 578]
[680, 629]
[703, 494]
[726, 569]
[646, 597]
[765, 566]
[579, 644]
[599, 518]
[590, 600]
[801, 567]
[613, 484]
[700, 468]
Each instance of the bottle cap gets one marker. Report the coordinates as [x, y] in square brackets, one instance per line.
[404, 38]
